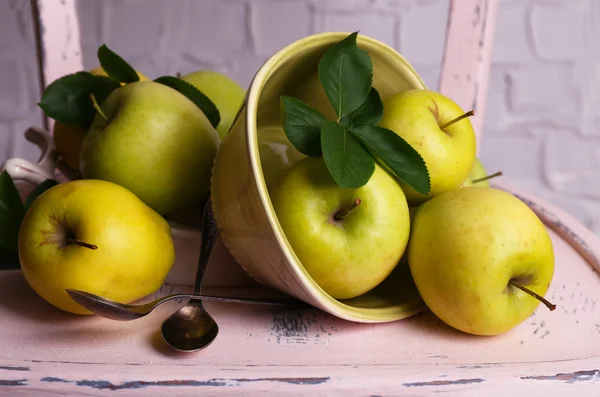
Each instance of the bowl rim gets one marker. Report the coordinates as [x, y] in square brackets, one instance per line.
[334, 306]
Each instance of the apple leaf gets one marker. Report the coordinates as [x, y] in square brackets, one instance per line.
[346, 74]
[115, 66]
[368, 113]
[9, 260]
[11, 212]
[302, 126]
[348, 162]
[395, 154]
[67, 99]
[195, 95]
[39, 189]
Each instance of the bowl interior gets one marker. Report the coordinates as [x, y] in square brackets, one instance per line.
[293, 72]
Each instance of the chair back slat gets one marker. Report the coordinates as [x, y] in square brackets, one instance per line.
[58, 38]
[467, 56]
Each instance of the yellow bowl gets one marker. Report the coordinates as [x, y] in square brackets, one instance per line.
[256, 152]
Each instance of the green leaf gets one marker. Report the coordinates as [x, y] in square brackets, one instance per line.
[348, 162]
[346, 73]
[399, 157]
[39, 189]
[302, 126]
[115, 66]
[67, 99]
[368, 113]
[9, 260]
[193, 94]
[11, 213]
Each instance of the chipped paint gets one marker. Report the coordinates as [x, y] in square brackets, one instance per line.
[217, 382]
[445, 382]
[15, 368]
[570, 377]
[19, 382]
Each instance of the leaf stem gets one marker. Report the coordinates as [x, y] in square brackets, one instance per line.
[98, 109]
[459, 118]
[342, 214]
[485, 178]
[71, 240]
[549, 305]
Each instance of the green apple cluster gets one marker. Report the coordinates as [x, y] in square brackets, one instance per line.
[143, 150]
[480, 258]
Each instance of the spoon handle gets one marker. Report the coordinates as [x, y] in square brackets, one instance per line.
[235, 299]
[209, 233]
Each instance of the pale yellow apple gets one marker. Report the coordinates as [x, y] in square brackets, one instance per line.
[477, 172]
[467, 248]
[449, 153]
[223, 91]
[349, 256]
[129, 248]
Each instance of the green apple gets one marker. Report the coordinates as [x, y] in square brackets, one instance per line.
[478, 175]
[224, 92]
[155, 142]
[475, 253]
[347, 246]
[95, 236]
[426, 120]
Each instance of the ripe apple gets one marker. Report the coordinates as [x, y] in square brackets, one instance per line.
[155, 142]
[224, 92]
[471, 251]
[478, 175]
[68, 138]
[427, 120]
[94, 236]
[348, 240]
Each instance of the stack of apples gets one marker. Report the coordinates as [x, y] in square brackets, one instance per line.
[480, 258]
[145, 153]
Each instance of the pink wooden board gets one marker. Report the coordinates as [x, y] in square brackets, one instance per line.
[301, 351]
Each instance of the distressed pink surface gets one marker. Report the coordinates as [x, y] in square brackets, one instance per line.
[302, 350]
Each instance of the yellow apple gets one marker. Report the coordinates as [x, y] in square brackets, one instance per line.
[470, 249]
[95, 236]
[424, 119]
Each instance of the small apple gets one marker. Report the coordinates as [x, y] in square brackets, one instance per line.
[478, 175]
[438, 129]
[68, 138]
[155, 142]
[476, 254]
[348, 240]
[224, 92]
[95, 236]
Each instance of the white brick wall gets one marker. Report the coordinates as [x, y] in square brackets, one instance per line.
[542, 124]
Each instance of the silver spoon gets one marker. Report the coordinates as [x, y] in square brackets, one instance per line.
[192, 328]
[124, 312]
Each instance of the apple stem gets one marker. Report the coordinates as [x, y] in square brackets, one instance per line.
[549, 305]
[342, 214]
[485, 178]
[71, 240]
[97, 107]
[459, 118]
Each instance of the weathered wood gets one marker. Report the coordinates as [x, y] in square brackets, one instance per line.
[58, 40]
[298, 351]
[467, 56]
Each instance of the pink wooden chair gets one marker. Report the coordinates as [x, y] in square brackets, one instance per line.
[44, 352]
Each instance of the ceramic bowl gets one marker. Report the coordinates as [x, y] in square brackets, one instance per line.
[256, 152]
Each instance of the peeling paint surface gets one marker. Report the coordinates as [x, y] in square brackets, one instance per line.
[444, 382]
[572, 377]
